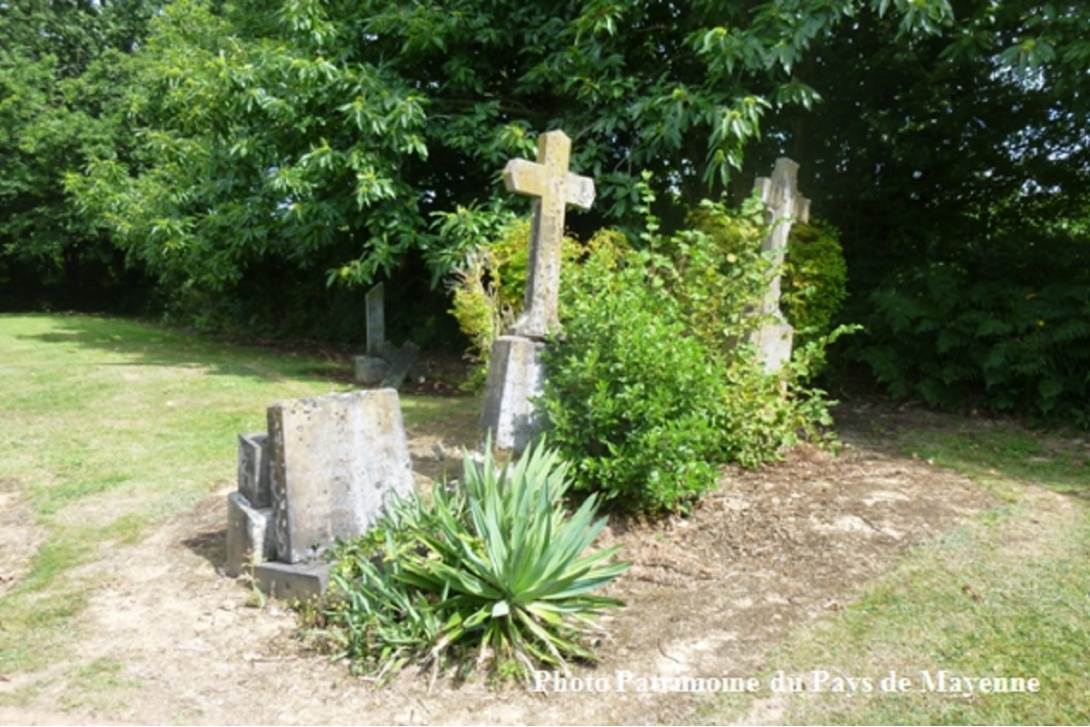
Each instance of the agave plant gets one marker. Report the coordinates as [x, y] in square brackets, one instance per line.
[494, 565]
[512, 567]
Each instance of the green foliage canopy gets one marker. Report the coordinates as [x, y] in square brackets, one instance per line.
[955, 167]
[63, 73]
[328, 134]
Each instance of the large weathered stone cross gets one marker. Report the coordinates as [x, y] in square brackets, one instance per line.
[553, 187]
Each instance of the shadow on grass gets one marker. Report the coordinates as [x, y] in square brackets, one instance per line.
[145, 344]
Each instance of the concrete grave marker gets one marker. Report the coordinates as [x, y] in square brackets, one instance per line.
[376, 320]
[253, 469]
[250, 536]
[334, 460]
[515, 372]
[784, 206]
[384, 364]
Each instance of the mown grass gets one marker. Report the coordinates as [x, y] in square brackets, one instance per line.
[112, 425]
[1006, 596]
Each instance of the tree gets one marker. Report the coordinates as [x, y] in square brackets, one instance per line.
[62, 78]
[352, 136]
[955, 166]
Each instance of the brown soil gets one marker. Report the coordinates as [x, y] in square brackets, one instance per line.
[708, 596]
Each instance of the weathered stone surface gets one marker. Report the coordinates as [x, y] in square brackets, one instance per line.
[401, 362]
[334, 461]
[290, 582]
[784, 206]
[371, 370]
[553, 187]
[249, 534]
[774, 345]
[515, 374]
[376, 320]
[253, 469]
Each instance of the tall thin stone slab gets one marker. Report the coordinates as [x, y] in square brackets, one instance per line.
[253, 469]
[784, 205]
[373, 366]
[515, 375]
[334, 462]
[376, 320]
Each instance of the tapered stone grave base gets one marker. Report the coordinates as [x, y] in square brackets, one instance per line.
[515, 376]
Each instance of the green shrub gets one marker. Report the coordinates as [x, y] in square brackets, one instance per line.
[720, 271]
[957, 339]
[488, 289]
[815, 280]
[632, 400]
[649, 387]
[492, 570]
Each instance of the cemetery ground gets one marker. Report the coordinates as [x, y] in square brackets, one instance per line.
[932, 543]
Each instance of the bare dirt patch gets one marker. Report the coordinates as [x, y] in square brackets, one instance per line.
[708, 595]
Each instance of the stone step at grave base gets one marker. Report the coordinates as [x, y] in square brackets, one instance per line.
[292, 581]
[250, 535]
[516, 375]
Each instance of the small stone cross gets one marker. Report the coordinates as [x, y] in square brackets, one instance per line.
[553, 187]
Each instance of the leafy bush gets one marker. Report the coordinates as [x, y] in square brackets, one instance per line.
[815, 279]
[958, 336]
[488, 288]
[492, 566]
[489, 285]
[649, 387]
[634, 403]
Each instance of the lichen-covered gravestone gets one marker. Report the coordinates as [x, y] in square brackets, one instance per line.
[784, 206]
[334, 460]
[326, 470]
[515, 372]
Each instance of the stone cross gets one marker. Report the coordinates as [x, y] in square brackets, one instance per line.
[783, 206]
[553, 187]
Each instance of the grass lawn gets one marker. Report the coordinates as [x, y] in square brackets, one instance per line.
[110, 426]
[956, 633]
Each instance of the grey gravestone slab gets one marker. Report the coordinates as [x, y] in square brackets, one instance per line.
[371, 370]
[334, 461]
[253, 469]
[249, 534]
[289, 582]
[515, 376]
[376, 320]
